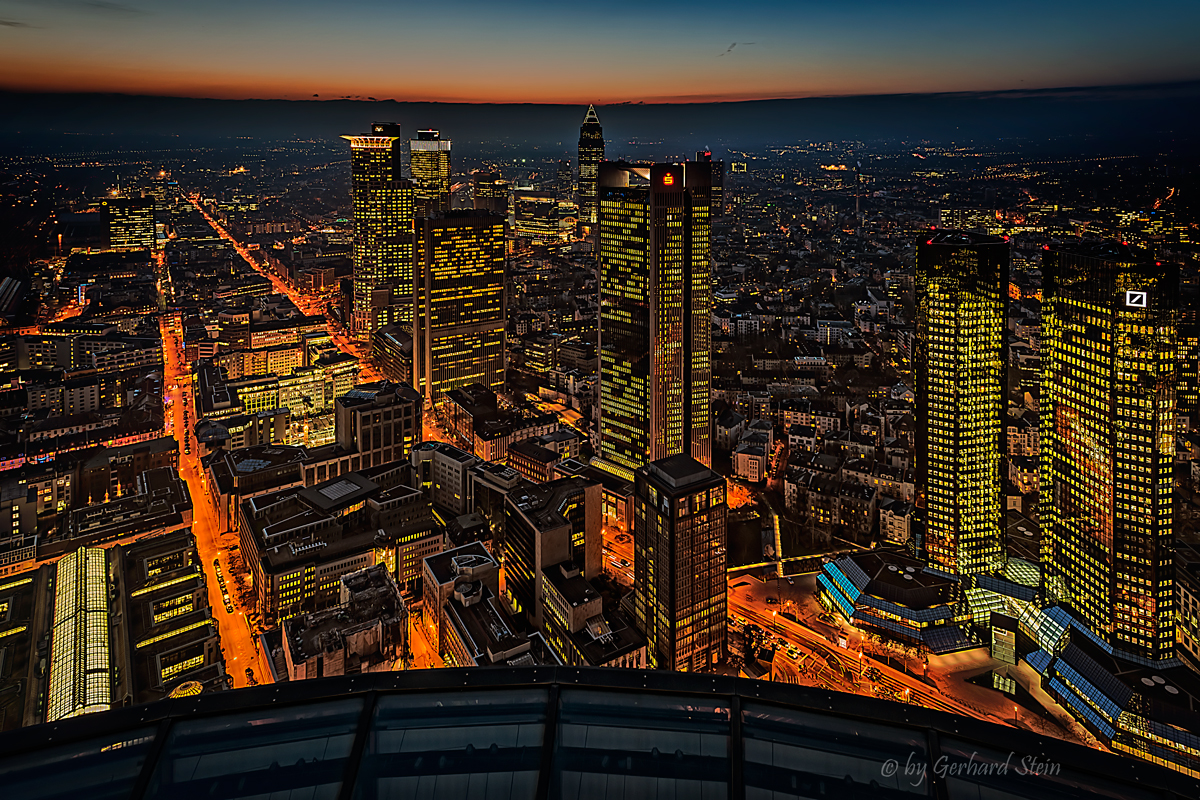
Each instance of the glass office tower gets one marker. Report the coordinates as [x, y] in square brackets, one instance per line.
[1109, 372]
[130, 222]
[458, 303]
[655, 314]
[718, 183]
[591, 153]
[960, 385]
[383, 221]
[429, 165]
[679, 542]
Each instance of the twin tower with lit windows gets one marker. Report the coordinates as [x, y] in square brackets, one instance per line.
[1106, 402]
[431, 273]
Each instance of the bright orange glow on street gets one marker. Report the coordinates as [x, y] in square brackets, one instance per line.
[237, 638]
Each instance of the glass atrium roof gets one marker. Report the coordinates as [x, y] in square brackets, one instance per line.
[544, 732]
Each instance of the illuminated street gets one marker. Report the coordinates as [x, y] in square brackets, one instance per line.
[311, 306]
[423, 644]
[753, 309]
[237, 639]
[618, 548]
[826, 661]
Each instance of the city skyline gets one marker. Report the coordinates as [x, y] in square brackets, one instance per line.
[882, 413]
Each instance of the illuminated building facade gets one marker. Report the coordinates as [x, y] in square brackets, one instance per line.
[679, 536]
[536, 216]
[655, 314]
[80, 674]
[458, 302]
[545, 526]
[563, 183]
[429, 164]
[1109, 372]
[381, 422]
[130, 222]
[591, 153]
[1187, 400]
[489, 192]
[383, 222]
[718, 183]
[960, 386]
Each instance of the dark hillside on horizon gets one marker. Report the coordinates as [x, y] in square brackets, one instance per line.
[1162, 116]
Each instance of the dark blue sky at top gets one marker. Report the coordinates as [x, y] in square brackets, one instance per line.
[578, 52]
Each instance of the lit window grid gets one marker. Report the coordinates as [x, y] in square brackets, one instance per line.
[383, 217]
[1109, 378]
[961, 323]
[679, 559]
[650, 250]
[459, 314]
[430, 170]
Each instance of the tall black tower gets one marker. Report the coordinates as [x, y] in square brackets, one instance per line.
[591, 153]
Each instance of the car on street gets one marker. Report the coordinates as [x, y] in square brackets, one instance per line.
[772, 601]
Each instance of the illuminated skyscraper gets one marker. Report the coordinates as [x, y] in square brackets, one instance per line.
[383, 223]
[130, 222]
[718, 183]
[160, 190]
[1187, 399]
[535, 216]
[1109, 330]
[960, 386]
[679, 544]
[458, 303]
[563, 183]
[489, 192]
[655, 314]
[429, 163]
[591, 153]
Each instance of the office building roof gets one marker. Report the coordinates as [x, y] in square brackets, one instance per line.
[681, 471]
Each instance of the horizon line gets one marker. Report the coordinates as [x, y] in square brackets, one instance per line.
[674, 101]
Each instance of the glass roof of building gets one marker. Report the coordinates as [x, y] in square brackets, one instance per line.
[545, 732]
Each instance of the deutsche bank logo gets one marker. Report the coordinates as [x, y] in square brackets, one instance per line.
[1135, 299]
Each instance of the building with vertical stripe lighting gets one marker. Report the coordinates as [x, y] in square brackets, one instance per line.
[429, 165]
[458, 303]
[718, 183]
[591, 153]
[655, 314]
[960, 386]
[383, 223]
[1109, 373]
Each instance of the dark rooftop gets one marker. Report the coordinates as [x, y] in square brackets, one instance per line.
[960, 238]
[338, 493]
[680, 471]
